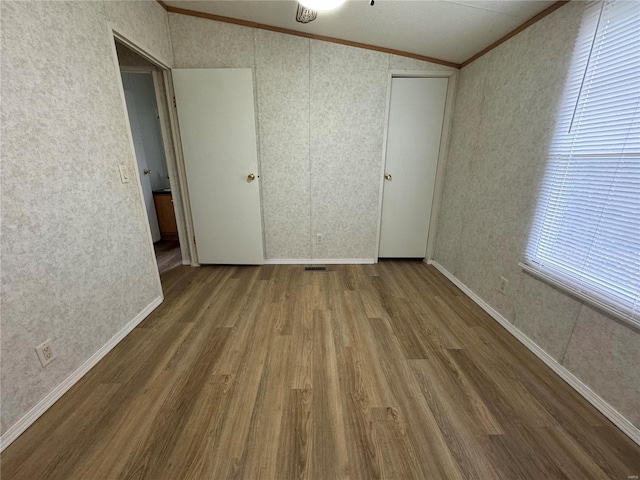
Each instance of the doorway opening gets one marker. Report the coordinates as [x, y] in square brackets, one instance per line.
[147, 109]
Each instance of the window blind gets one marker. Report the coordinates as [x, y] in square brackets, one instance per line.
[586, 230]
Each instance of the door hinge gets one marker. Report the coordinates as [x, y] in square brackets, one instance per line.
[174, 103]
[194, 239]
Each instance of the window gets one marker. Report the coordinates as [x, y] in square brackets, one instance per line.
[586, 231]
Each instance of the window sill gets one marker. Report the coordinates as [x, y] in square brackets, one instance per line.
[584, 297]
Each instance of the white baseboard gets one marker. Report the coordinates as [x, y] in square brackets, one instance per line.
[592, 397]
[319, 261]
[186, 262]
[43, 405]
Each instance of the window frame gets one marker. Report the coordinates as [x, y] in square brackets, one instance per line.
[577, 280]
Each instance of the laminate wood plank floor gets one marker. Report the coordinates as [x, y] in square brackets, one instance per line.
[168, 255]
[362, 371]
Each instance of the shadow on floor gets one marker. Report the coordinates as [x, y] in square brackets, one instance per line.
[167, 255]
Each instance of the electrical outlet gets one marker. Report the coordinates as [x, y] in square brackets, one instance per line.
[503, 285]
[319, 239]
[45, 353]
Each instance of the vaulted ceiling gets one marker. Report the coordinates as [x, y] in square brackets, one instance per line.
[450, 30]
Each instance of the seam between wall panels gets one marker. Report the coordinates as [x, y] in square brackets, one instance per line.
[476, 139]
[575, 322]
[256, 103]
[173, 52]
[309, 154]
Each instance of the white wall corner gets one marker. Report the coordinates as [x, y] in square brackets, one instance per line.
[52, 397]
[592, 397]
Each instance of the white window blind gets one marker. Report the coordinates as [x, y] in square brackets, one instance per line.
[586, 231]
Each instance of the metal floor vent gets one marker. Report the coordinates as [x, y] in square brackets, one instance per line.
[315, 269]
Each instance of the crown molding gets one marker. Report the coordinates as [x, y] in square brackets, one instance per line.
[287, 31]
[550, 9]
[246, 23]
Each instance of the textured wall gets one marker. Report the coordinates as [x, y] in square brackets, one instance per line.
[321, 120]
[502, 127]
[76, 260]
[145, 22]
[348, 100]
[283, 112]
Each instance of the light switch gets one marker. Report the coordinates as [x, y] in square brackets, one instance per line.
[124, 174]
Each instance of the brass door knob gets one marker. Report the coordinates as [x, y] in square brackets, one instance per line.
[387, 176]
[251, 177]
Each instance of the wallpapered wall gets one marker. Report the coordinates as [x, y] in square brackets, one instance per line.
[321, 115]
[76, 260]
[502, 127]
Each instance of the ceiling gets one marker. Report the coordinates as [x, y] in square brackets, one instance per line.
[450, 30]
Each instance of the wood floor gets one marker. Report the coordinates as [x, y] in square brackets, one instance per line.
[168, 255]
[378, 371]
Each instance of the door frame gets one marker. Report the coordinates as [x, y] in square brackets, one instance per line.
[452, 76]
[173, 128]
[161, 74]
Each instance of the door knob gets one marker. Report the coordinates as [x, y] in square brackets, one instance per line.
[251, 177]
[147, 171]
[387, 176]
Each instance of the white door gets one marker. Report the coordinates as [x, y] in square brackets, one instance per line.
[217, 127]
[416, 114]
[141, 158]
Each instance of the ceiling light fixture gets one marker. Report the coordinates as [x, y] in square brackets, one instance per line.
[304, 15]
[321, 5]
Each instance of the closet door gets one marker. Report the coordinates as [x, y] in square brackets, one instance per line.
[416, 115]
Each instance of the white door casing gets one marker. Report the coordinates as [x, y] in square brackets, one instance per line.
[216, 117]
[416, 114]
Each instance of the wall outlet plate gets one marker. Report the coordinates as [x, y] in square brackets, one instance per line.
[45, 353]
[503, 285]
[124, 174]
[319, 239]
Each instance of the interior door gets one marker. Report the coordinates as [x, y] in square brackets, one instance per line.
[416, 114]
[217, 127]
[141, 158]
